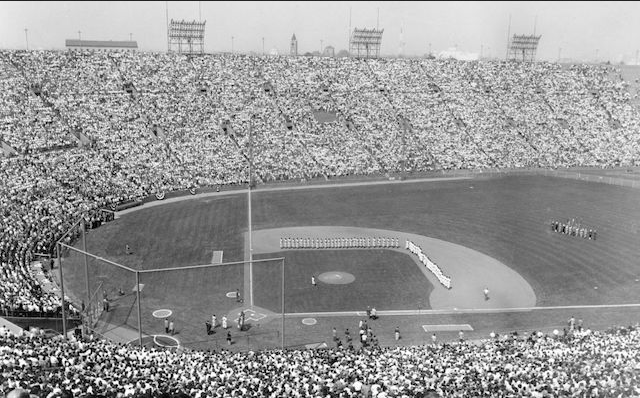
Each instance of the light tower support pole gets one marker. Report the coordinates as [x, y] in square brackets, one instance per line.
[508, 36]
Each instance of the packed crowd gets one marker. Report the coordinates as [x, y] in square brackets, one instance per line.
[390, 115]
[582, 363]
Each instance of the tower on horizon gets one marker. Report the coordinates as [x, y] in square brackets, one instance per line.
[293, 48]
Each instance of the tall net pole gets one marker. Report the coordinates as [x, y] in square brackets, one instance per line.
[283, 312]
[249, 214]
[139, 308]
[86, 270]
[64, 315]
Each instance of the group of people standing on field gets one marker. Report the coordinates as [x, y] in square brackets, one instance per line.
[573, 228]
[224, 323]
[339, 243]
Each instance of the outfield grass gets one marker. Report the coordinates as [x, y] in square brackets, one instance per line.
[384, 279]
[506, 218]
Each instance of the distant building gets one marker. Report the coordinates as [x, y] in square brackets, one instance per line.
[101, 45]
[329, 51]
[293, 49]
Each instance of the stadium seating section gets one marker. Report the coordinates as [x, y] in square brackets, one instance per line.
[579, 364]
[92, 129]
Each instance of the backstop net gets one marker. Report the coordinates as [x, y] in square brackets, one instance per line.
[176, 304]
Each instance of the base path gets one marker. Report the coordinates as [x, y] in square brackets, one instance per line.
[470, 270]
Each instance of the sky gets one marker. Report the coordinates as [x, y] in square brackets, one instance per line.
[581, 31]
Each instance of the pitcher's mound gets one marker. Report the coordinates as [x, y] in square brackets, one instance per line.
[336, 278]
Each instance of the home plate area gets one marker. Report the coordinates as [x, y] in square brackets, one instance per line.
[251, 315]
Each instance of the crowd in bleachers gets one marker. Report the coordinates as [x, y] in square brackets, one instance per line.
[579, 364]
[165, 135]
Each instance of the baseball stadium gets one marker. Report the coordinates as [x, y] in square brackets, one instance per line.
[215, 225]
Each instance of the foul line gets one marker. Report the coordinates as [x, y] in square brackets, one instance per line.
[458, 311]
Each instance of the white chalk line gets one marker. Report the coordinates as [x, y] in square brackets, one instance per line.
[458, 311]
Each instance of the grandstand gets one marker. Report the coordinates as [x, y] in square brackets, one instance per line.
[117, 130]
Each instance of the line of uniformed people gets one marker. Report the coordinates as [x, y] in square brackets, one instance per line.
[339, 243]
[573, 229]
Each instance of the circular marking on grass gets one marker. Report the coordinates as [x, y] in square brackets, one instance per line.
[309, 321]
[336, 277]
[164, 341]
[162, 314]
[232, 294]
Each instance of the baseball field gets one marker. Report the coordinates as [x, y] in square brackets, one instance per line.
[482, 232]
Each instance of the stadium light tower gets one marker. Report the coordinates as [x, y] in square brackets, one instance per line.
[26, 37]
[186, 37]
[522, 48]
[365, 43]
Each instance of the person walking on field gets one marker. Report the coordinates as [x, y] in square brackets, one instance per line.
[486, 293]
[313, 281]
[224, 322]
